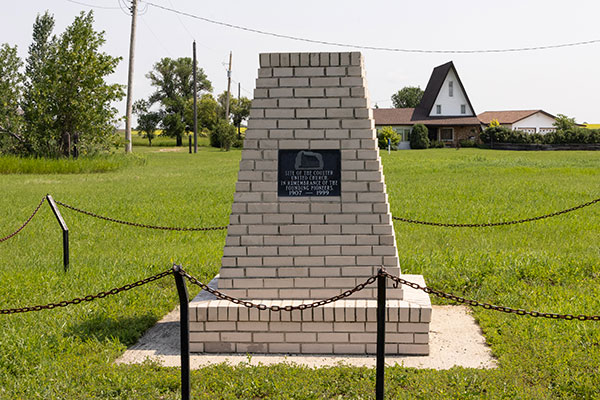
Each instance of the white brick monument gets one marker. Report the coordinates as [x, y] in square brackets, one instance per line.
[310, 220]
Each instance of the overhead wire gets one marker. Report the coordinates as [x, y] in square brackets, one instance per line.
[378, 48]
[92, 5]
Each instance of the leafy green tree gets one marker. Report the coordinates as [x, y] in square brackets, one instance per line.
[239, 109]
[407, 97]
[419, 138]
[11, 89]
[173, 79]
[385, 133]
[38, 93]
[564, 123]
[148, 121]
[208, 113]
[82, 99]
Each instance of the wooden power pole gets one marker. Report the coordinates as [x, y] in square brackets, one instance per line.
[228, 89]
[128, 146]
[195, 101]
[239, 104]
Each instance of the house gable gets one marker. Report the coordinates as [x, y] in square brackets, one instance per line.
[451, 99]
[445, 95]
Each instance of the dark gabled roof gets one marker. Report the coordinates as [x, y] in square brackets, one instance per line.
[435, 85]
[411, 116]
[509, 117]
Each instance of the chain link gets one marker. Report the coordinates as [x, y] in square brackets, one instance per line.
[488, 306]
[25, 223]
[490, 224]
[250, 304]
[118, 221]
[408, 220]
[89, 297]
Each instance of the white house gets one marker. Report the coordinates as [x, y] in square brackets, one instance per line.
[529, 121]
[445, 110]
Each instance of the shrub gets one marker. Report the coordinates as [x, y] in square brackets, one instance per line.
[467, 143]
[436, 144]
[223, 136]
[385, 133]
[419, 137]
[500, 134]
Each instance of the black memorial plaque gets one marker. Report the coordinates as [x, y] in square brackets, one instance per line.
[309, 173]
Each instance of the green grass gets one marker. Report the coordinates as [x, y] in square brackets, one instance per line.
[550, 265]
[28, 165]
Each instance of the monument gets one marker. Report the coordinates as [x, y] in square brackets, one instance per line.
[310, 220]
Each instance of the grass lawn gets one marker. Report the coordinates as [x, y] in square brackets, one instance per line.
[68, 353]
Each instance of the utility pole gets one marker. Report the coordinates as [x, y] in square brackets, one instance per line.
[195, 102]
[228, 89]
[128, 147]
[239, 103]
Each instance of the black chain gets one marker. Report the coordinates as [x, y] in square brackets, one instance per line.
[519, 221]
[25, 223]
[118, 221]
[249, 304]
[488, 306]
[89, 297]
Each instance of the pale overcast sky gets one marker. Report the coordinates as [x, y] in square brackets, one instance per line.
[563, 80]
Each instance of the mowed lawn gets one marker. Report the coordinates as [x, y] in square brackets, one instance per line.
[551, 265]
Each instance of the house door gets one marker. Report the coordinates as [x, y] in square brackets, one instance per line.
[433, 133]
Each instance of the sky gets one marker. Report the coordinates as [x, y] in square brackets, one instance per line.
[563, 80]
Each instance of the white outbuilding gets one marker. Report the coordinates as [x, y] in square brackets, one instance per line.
[529, 121]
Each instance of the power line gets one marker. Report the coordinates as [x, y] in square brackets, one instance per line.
[182, 24]
[353, 46]
[156, 37]
[92, 5]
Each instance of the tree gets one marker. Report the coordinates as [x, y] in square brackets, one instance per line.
[239, 110]
[419, 137]
[173, 79]
[208, 113]
[82, 98]
[11, 82]
[407, 97]
[564, 123]
[148, 121]
[38, 91]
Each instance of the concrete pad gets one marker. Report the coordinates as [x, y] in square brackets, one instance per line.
[454, 338]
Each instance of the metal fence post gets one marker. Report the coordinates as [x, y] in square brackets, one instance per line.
[184, 332]
[381, 311]
[65, 231]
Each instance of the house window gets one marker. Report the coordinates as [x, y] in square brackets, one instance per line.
[438, 109]
[463, 109]
[446, 134]
[451, 88]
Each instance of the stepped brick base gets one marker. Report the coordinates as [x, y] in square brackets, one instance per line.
[345, 327]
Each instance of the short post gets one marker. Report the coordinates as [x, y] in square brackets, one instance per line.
[190, 143]
[65, 231]
[184, 332]
[389, 145]
[381, 311]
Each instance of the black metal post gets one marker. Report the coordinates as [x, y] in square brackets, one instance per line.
[190, 143]
[381, 311]
[65, 231]
[184, 332]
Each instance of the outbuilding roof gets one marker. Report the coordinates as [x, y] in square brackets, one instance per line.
[510, 116]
